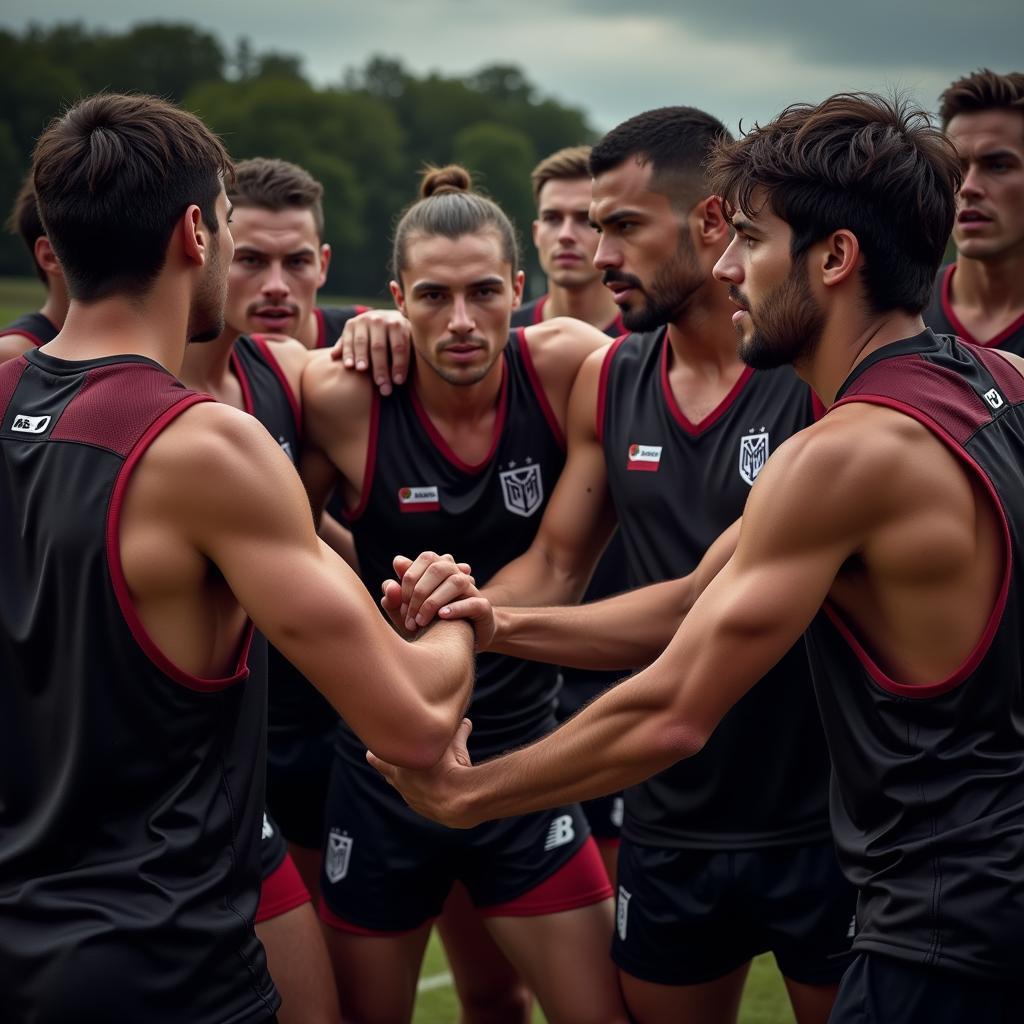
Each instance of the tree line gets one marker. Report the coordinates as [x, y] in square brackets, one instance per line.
[365, 138]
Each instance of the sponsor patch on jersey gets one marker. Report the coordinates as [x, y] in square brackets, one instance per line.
[993, 398]
[522, 489]
[30, 424]
[419, 499]
[622, 912]
[753, 455]
[339, 853]
[561, 832]
[644, 457]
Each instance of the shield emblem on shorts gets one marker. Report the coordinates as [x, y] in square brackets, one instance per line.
[753, 455]
[622, 912]
[522, 489]
[339, 853]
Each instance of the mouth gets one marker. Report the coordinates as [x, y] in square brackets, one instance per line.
[971, 216]
[568, 258]
[274, 316]
[462, 352]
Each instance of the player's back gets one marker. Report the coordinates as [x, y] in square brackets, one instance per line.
[130, 790]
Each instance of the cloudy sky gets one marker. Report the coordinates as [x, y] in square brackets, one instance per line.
[736, 58]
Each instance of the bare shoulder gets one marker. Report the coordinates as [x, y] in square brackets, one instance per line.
[563, 343]
[1014, 360]
[333, 396]
[290, 353]
[12, 345]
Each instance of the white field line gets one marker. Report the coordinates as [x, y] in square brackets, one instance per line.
[434, 981]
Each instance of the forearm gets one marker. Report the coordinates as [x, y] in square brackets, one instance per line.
[536, 579]
[338, 539]
[443, 672]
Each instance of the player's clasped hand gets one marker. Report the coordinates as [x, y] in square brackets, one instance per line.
[435, 792]
[436, 586]
[378, 340]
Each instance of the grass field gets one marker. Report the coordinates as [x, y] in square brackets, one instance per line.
[764, 1000]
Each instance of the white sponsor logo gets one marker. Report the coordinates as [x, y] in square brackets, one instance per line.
[30, 424]
[419, 499]
[286, 447]
[522, 489]
[753, 455]
[339, 853]
[268, 829]
[644, 456]
[994, 398]
[622, 912]
[560, 833]
[618, 811]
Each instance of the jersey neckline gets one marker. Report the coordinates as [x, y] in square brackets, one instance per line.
[946, 299]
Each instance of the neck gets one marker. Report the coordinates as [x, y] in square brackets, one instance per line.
[592, 303]
[991, 285]
[702, 336]
[207, 366]
[309, 330]
[454, 403]
[840, 350]
[55, 308]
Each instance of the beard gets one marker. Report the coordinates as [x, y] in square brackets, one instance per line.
[787, 325]
[670, 291]
[206, 315]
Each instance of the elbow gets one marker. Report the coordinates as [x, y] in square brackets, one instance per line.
[421, 743]
[680, 740]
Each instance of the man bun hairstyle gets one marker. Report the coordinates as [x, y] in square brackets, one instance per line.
[277, 185]
[569, 164]
[675, 141]
[982, 90]
[24, 220]
[858, 161]
[448, 206]
[113, 175]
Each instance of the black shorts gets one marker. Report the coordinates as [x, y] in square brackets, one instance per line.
[684, 917]
[387, 869]
[881, 990]
[298, 769]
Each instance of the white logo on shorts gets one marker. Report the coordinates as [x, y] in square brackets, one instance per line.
[993, 398]
[339, 853]
[622, 912]
[522, 489]
[268, 829]
[618, 811]
[560, 833]
[30, 424]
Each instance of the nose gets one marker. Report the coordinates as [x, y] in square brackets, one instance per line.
[274, 285]
[971, 187]
[566, 235]
[728, 268]
[461, 320]
[607, 255]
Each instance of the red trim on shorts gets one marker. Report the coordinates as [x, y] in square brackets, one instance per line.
[602, 386]
[974, 659]
[331, 919]
[352, 514]
[282, 890]
[538, 388]
[580, 882]
[693, 429]
[120, 585]
[608, 842]
[946, 298]
[264, 346]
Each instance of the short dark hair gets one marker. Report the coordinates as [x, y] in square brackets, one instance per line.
[569, 164]
[675, 141]
[277, 185]
[982, 90]
[872, 165]
[24, 220]
[112, 177]
[448, 206]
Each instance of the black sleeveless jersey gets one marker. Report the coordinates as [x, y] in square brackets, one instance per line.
[941, 318]
[331, 322]
[928, 787]
[761, 780]
[418, 495]
[131, 792]
[296, 706]
[34, 326]
[533, 313]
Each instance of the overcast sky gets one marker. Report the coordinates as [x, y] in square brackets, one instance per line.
[735, 58]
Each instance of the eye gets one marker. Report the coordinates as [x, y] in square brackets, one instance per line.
[299, 262]
[487, 292]
[248, 260]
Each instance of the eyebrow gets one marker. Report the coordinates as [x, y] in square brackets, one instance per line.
[306, 250]
[617, 215]
[998, 154]
[432, 286]
[744, 225]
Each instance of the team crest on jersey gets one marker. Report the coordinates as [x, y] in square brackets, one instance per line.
[522, 488]
[419, 499]
[644, 457]
[622, 912]
[753, 455]
[339, 853]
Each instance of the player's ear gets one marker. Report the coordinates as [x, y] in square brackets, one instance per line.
[395, 288]
[194, 235]
[325, 262]
[46, 257]
[534, 229]
[839, 258]
[518, 283]
[712, 224]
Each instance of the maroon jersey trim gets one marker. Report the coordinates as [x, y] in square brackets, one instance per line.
[974, 659]
[27, 335]
[321, 325]
[352, 514]
[264, 346]
[538, 388]
[243, 382]
[693, 429]
[946, 297]
[538, 310]
[116, 569]
[602, 386]
[442, 445]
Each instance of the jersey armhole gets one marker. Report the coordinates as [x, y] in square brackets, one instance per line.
[538, 388]
[33, 339]
[352, 514]
[602, 386]
[264, 346]
[120, 585]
